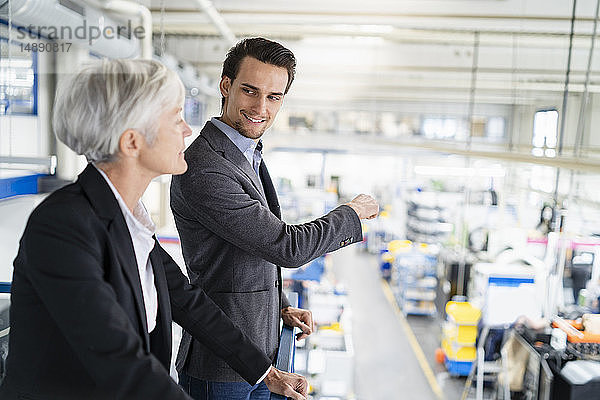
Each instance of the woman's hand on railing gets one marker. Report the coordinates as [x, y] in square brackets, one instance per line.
[287, 384]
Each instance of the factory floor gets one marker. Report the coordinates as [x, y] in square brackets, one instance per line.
[394, 355]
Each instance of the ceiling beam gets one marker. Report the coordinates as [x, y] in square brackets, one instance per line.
[374, 145]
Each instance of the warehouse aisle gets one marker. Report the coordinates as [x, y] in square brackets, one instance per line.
[386, 365]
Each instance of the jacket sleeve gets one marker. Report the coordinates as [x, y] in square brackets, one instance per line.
[219, 202]
[207, 323]
[64, 263]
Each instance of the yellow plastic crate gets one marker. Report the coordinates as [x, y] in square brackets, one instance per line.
[399, 246]
[459, 353]
[462, 313]
[463, 334]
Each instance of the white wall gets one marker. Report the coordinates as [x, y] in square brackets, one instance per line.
[13, 214]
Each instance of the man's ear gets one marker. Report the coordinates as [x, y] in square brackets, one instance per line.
[225, 86]
[130, 143]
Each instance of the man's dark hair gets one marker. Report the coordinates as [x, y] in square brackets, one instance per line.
[263, 50]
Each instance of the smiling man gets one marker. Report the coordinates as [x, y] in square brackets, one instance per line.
[229, 220]
[252, 101]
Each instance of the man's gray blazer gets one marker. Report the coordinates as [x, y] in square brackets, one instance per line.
[234, 241]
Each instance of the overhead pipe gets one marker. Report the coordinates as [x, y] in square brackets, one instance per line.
[582, 110]
[474, 68]
[42, 16]
[208, 7]
[512, 125]
[563, 117]
[567, 77]
[462, 263]
[586, 95]
[137, 10]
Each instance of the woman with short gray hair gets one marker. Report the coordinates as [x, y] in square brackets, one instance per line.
[95, 106]
[93, 293]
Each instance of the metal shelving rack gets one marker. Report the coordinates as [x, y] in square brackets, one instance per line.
[415, 282]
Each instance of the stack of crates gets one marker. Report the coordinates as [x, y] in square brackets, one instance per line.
[458, 337]
[413, 277]
[387, 256]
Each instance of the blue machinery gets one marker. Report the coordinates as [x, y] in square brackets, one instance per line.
[287, 347]
[19, 185]
[4, 287]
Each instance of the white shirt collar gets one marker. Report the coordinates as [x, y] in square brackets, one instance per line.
[141, 230]
[140, 218]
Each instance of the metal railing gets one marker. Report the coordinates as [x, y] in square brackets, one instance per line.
[4, 328]
[5, 287]
[285, 355]
[287, 347]
[47, 163]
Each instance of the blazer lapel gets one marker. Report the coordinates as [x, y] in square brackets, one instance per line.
[269, 188]
[220, 142]
[164, 306]
[106, 206]
[121, 242]
[273, 202]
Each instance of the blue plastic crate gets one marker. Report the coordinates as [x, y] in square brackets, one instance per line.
[458, 368]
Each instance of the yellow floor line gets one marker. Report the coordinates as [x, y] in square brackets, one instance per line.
[413, 342]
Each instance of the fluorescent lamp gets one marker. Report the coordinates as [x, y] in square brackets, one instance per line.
[376, 28]
[363, 28]
[430, 170]
[537, 152]
[16, 63]
[550, 153]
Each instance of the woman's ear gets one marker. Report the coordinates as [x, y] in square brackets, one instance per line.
[130, 143]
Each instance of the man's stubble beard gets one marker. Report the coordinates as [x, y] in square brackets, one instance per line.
[240, 128]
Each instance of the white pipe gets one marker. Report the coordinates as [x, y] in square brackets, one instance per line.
[135, 9]
[208, 7]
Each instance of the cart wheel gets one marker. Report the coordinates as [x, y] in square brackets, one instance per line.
[439, 356]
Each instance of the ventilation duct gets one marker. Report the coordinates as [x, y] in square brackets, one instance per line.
[189, 77]
[76, 22]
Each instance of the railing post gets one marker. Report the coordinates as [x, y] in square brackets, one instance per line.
[287, 347]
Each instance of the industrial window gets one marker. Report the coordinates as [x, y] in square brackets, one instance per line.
[440, 128]
[484, 128]
[545, 128]
[18, 79]
[495, 128]
[193, 109]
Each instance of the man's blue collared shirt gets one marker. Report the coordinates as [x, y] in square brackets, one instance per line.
[251, 150]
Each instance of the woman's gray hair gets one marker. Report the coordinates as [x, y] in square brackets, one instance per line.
[94, 107]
